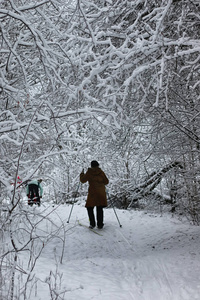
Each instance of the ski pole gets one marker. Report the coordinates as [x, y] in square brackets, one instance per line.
[73, 202]
[115, 211]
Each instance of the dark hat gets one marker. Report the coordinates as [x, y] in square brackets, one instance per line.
[94, 164]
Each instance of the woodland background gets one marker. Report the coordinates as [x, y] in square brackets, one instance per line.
[115, 81]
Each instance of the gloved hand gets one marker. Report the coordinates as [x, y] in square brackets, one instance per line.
[40, 196]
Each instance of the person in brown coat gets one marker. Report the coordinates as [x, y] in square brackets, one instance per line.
[96, 193]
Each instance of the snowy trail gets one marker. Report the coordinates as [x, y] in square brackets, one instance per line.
[149, 258]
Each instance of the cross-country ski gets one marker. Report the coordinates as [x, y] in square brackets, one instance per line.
[90, 228]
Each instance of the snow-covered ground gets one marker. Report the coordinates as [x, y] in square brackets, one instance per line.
[151, 257]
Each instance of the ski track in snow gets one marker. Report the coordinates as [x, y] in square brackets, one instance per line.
[149, 258]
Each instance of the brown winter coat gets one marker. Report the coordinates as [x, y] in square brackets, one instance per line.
[96, 191]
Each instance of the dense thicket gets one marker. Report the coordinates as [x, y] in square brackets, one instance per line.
[113, 80]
